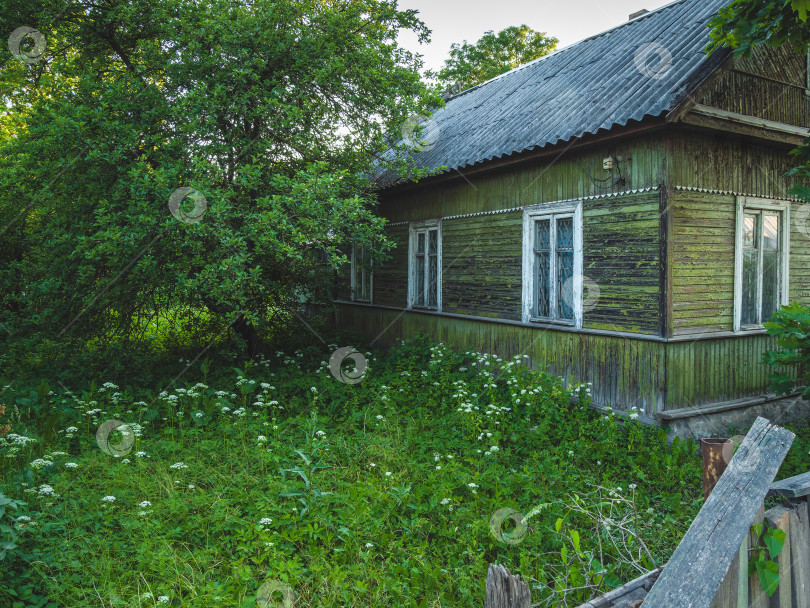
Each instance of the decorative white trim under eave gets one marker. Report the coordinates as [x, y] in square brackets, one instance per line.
[786, 197]
[522, 207]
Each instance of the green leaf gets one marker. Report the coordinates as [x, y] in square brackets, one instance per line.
[775, 541]
[558, 524]
[768, 575]
[575, 540]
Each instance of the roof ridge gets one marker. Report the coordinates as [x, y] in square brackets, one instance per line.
[565, 48]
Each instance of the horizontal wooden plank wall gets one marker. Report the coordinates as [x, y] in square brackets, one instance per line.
[702, 261]
[624, 372]
[621, 255]
[391, 278]
[481, 265]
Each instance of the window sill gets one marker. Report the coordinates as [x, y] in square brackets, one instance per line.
[751, 329]
[552, 322]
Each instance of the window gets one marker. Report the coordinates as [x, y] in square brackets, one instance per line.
[361, 275]
[761, 261]
[552, 263]
[425, 284]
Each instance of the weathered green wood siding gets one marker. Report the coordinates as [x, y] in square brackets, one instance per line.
[621, 255]
[481, 265]
[707, 371]
[721, 162]
[624, 372]
[391, 277]
[702, 261]
[770, 84]
[555, 177]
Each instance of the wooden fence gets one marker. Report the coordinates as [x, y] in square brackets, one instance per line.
[709, 569]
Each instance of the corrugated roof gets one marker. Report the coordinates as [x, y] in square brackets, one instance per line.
[635, 70]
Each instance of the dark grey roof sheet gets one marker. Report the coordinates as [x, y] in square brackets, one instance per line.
[594, 84]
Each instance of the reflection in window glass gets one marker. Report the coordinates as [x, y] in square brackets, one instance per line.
[761, 266]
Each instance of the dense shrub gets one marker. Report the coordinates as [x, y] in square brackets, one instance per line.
[791, 326]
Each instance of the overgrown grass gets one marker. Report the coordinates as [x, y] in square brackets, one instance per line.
[374, 494]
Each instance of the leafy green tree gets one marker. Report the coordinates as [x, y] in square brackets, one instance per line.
[744, 24]
[493, 54]
[270, 113]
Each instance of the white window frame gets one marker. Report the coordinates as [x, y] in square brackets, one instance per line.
[414, 229]
[357, 276]
[760, 204]
[551, 211]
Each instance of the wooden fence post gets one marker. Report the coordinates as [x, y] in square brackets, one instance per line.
[800, 554]
[757, 598]
[779, 517]
[505, 590]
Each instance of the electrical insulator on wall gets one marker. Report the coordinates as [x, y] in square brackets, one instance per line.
[607, 163]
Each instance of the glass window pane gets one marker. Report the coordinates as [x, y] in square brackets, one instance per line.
[543, 235]
[770, 282]
[434, 239]
[419, 288]
[770, 231]
[565, 283]
[565, 233]
[749, 288]
[543, 285]
[432, 288]
[420, 242]
[750, 231]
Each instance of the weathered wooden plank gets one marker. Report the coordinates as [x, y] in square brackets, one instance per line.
[628, 595]
[779, 517]
[729, 590]
[800, 554]
[757, 598]
[699, 564]
[505, 590]
[792, 487]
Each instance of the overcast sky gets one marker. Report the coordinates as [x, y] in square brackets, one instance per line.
[569, 20]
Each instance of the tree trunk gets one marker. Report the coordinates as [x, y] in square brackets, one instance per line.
[249, 334]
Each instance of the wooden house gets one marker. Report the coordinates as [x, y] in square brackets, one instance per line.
[617, 210]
